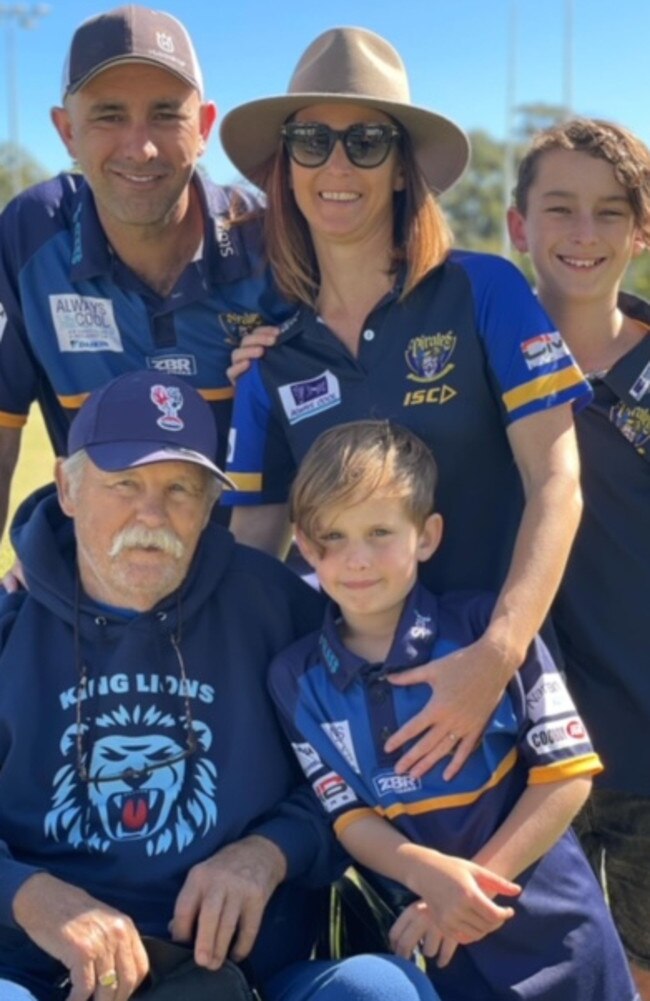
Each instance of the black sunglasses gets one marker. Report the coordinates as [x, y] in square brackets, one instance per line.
[366, 144]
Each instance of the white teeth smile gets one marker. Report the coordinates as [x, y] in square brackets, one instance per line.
[139, 179]
[579, 262]
[339, 196]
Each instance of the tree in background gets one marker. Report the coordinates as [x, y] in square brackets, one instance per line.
[18, 170]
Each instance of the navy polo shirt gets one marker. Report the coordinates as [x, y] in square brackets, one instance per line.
[469, 351]
[73, 316]
[602, 608]
[338, 711]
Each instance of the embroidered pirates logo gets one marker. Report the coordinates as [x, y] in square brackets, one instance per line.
[427, 356]
[169, 399]
[633, 423]
[237, 325]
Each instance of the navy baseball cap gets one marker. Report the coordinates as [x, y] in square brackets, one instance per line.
[143, 417]
[130, 34]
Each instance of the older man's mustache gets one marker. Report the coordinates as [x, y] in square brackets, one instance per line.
[139, 537]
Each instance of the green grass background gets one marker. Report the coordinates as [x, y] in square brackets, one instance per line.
[35, 465]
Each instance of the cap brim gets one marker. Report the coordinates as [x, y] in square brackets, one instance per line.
[113, 456]
[250, 134]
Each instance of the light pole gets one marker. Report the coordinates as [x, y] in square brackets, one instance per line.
[25, 16]
[508, 149]
[568, 58]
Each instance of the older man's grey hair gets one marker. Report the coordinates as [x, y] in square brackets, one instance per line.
[73, 467]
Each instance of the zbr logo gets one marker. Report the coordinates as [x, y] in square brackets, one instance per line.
[428, 356]
[633, 423]
[169, 399]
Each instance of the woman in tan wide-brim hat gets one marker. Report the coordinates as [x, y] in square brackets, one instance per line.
[391, 323]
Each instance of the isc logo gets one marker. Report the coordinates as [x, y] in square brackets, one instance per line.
[435, 394]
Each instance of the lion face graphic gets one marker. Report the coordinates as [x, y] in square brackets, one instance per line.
[141, 787]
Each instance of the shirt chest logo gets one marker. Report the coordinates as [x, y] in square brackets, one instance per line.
[237, 325]
[633, 423]
[428, 359]
[84, 323]
[309, 397]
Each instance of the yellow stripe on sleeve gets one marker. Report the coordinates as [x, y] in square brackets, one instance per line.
[12, 420]
[586, 764]
[211, 395]
[546, 385]
[214, 395]
[247, 481]
[73, 402]
[341, 823]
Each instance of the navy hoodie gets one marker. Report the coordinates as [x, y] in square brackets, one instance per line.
[131, 839]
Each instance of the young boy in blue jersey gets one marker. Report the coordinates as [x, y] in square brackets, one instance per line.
[582, 212]
[363, 510]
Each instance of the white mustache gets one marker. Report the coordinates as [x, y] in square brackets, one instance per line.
[139, 537]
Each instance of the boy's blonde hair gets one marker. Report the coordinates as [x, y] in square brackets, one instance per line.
[627, 154]
[348, 463]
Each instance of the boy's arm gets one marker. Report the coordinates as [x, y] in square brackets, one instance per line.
[458, 892]
[539, 818]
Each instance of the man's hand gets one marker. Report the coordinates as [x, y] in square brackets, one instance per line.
[91, 939]
[468, 685]
[252, 346]
[224, 898]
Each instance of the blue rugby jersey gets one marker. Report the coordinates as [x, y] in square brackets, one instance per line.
[467, 353]
[338, 712]
[73, 316]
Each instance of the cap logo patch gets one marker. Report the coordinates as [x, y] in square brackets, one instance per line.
[165, 42]
[169, 399]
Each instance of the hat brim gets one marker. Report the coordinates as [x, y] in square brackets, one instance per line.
[115, 455]
[250, 134]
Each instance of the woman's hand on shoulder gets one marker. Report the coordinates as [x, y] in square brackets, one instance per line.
[468, 685]
[251, 346]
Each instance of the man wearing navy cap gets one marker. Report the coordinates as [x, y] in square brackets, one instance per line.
[145, 786]
[132, 263]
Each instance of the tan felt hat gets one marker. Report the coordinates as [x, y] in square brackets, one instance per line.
[348, 66]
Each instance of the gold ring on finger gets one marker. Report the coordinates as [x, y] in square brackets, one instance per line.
[108, 979]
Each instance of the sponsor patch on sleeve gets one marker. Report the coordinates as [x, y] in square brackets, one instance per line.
[341, 736]
[308, 758]
[549, 697]
[544, 349]
[334, 792]
[557, 736]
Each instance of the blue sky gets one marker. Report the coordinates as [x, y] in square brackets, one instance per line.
[457, 54]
